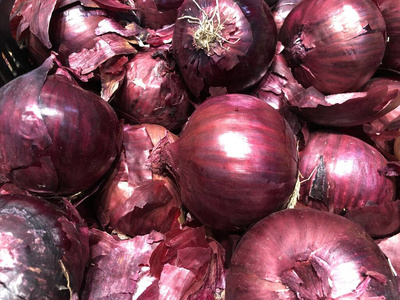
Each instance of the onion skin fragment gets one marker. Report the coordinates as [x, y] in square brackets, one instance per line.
[235, 160]
[327, 257]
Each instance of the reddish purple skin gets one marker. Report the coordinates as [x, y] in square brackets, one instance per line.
[236, 160]
[35, 236]
[335, 51]
[344, 173]
[309, 254]
[59, 139]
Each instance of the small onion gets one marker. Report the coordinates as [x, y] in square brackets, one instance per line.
[44, 249]
[309, 254]
[56, 138]
[236, 161]
[334, 45]
[152, 16]
[153, 92]
[342, 173]
[223, 45]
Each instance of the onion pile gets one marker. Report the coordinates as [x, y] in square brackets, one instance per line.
[200, 149]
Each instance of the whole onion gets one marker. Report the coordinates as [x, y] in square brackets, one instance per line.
[342, 173]
[44, 249]
[391, 13]
[223, 45]
[153, 92]
[309, 254]
[154, 14]
[334, 45]
[281, 9]
[236, 161]
[56, 138]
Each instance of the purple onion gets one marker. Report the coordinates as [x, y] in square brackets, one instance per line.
[153, 92]
[309, 254]
[236, 161]
[281, 9]
[154, 14]
[342, 173]
[334, 45]
[391, 13]
[56, 138]
[44, 249]
[235, 57]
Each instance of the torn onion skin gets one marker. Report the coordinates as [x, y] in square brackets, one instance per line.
[235, 161]
[44, 248]
[338, 50]
[309, 254]
[341, 172]
[226, 47]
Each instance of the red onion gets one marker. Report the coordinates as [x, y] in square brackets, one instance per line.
[153, 92]
[334, 45]
[236, 161]
[341, 173]
[44, 249]
[135, 200]
[309, 254]
[56, 138]
[281, 9]
[223, 45]
[391, 13]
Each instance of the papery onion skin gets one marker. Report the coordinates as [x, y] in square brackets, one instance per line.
[56, 138]
[44, 246]
[335, 51]
[309, 254]
[236, 161]
[341, 173]
[376, 98]
[391, 13]
[225, 67]
[153, 92]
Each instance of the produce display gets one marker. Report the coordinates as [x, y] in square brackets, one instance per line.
[200, 149]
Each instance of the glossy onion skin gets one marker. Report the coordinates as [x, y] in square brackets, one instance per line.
[233, 67]
[37, 238]
[344, 173]
[236, 160]
[59, 142]
[309, 254]
[335, 51]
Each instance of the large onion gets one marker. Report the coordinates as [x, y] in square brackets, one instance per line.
[334, 45]
[236, 161]
[309, 254]
[223, 46]
[56, 138]
[44, 249]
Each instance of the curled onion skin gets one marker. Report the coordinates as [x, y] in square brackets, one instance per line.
[342, 173]
[236, 161]
[309, 254]
[237, 59]
[56, 138]
[335, 51]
